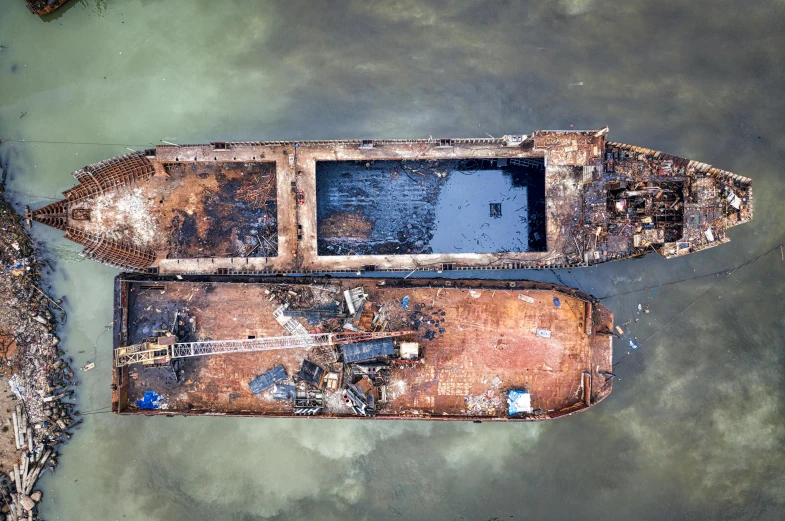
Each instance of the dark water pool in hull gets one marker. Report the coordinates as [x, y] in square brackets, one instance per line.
[419, 207]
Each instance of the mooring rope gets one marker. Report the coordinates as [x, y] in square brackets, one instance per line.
[728, 273]
[71, 143]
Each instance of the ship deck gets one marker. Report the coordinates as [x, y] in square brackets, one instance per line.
[189, 211]
[554, 199]
[478, 341]
[298, 196]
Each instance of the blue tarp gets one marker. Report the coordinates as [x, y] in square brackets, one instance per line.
[283, 392]
[518, 401]
[266, 380]
[312, 373]
[150, 400]
[368, 350]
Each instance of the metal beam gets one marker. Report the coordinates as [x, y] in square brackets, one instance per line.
[140, 353]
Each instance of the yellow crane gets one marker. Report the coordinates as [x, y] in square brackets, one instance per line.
[166, 348]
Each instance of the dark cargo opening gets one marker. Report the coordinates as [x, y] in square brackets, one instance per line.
[421, 207]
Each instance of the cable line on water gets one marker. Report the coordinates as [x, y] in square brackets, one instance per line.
[728, 273]
[715, 273]
[11, 140]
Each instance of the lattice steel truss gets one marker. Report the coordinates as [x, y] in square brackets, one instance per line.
[141, 353]
[109, 174]
[111, 252]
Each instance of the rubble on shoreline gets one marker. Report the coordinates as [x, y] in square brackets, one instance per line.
[35, 380]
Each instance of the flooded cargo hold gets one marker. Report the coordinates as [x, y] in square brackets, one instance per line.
[422, 207]
[546, 200]
[358, 348]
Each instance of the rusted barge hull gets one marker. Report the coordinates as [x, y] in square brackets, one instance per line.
[547, 200]
[42, 7]
[478, 341]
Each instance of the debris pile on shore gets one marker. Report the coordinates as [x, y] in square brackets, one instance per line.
[32, 365]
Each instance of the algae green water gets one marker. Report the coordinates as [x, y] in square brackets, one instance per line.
[694, 427]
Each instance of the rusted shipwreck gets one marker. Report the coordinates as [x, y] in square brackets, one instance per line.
[546, 200]
[358, 348]
[42, 7]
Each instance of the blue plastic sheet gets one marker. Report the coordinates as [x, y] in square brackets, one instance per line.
[368, 350]
[518, 401]
[405, 302]
[150, 400]
[265, 381]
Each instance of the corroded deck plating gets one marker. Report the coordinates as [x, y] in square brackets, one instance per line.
[484, 343]
[171, 208]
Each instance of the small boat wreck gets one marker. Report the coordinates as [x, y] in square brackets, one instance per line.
[42, 7]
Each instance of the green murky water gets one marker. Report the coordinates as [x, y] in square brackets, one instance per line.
[694, 428]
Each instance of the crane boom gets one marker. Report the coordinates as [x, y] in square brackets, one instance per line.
[163, 351]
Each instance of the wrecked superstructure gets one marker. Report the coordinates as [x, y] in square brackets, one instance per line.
[358, 348]
[546, 200]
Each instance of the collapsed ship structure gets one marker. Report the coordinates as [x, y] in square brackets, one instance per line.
[546, 200]
[358, 348]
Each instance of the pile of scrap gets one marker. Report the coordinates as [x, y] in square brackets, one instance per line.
[356, 372]
[346, 227]
[34, 368]
[17, 490]
[488, 402]
[314, 303]
[332, 378]
[638, 200]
